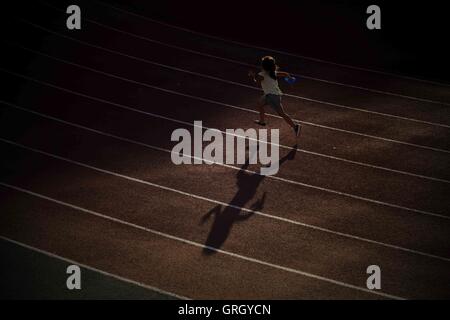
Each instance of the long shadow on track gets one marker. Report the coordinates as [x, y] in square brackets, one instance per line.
[247, 184]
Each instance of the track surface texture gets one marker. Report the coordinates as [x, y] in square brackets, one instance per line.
[86, 119]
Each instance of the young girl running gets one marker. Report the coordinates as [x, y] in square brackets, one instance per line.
[268, 78]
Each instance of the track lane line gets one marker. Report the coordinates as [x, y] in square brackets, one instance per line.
[199, 245]
[226, 165]
[199, 99]
[85, 266]
[151, 62]
[381, 92]
[227, 133]
[242, 44]
[235, 83]
[260, 213]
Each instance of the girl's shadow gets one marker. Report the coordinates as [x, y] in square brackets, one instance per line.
[247, 184]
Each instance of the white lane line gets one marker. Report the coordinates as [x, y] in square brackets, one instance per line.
[255, 66]
[249, 87]
[187, 194]
[288, 54]
[85, 266]
[199, 245]
[237, 168]
[235, 83]
[191, 124]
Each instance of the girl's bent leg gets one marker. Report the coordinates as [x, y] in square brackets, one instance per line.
[262, 115]
[287, 119]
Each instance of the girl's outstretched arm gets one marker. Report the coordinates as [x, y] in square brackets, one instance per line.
[282, 74]
[254, 76]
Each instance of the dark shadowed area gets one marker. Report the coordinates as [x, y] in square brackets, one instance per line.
[412, 40]
[86, 174]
